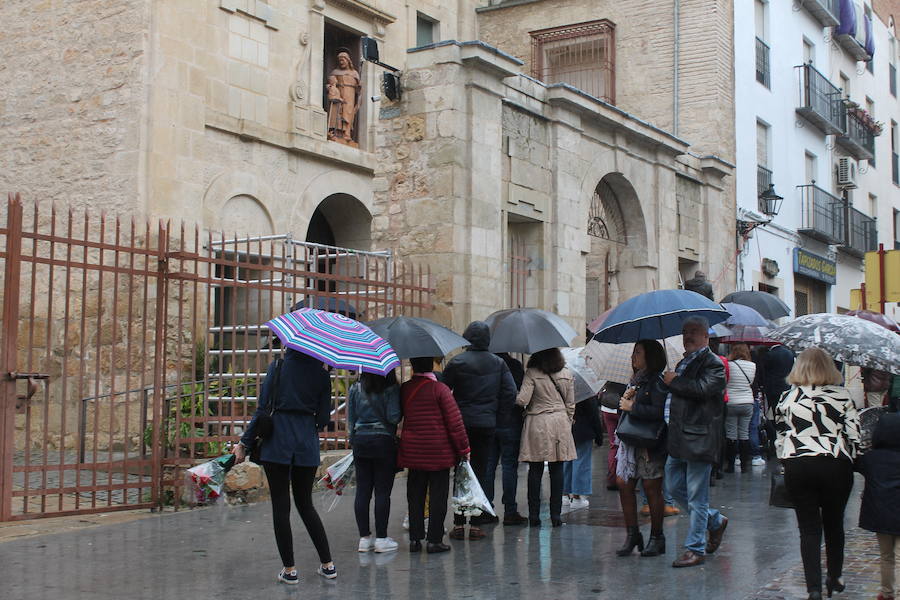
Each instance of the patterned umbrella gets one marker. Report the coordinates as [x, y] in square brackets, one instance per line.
[586, 382]
[883, 320]
[612, 362]
[334, 339]
[850, 340]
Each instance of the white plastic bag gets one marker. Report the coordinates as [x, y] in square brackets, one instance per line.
[468, 497]
[337, 477]
[205, 483]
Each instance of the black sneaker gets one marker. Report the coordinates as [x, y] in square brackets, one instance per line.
[514, 518]
[327, 572]
[289, 577]
[483, 519]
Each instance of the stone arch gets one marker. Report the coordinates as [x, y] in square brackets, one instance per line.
[617, 235]
[324, 185]
[232, 192]
[341, 220]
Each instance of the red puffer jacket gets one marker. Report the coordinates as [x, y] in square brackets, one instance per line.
[433, 436]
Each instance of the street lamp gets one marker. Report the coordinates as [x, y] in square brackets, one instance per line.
[769, 204]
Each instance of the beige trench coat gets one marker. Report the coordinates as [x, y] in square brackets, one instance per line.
[547, 434]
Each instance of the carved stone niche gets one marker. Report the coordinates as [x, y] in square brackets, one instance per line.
[308, 118]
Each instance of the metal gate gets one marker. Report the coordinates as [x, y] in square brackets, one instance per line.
[130, 351]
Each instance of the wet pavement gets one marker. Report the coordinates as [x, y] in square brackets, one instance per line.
[229, 552]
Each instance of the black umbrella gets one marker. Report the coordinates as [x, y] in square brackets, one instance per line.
[413, 336]
[528, 330]
[769, 306]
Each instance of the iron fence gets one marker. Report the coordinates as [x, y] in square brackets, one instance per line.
[762, 63]
[820, 100]
[861, 234]
[822, 214]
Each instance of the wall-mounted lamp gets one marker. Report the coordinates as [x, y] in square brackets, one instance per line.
[769, 204]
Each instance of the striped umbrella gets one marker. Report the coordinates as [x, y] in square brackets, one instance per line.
[335, 340]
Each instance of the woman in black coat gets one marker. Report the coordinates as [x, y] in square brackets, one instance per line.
[300, 388]
[645, 399]
[881, 498]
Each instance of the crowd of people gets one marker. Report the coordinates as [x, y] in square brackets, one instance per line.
[671, 432]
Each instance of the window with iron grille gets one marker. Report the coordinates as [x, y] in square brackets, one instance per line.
[581, 55]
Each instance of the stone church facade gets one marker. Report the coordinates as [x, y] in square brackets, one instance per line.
[513, 191]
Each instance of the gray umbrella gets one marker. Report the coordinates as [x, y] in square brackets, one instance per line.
[528, 330]
[848, 339]
[413, 336]
[769, 306]
[587, 383]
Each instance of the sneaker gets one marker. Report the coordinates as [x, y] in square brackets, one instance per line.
[385, 544]
[289, 577]
[566, 501]
[758, 461]
[365, 544]
[327, 572]
[406, 522]
[579, 503]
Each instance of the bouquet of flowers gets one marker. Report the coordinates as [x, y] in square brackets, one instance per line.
[336, 478]
[468, 497]
[205, 483]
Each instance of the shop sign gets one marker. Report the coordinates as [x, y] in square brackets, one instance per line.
[812, 265]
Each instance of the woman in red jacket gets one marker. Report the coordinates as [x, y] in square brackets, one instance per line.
[433, 439]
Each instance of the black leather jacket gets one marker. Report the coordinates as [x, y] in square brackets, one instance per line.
[481, 382]
[697, 410]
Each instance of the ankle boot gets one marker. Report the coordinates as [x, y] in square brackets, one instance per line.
[656, 545]
[730, 453]
[634, 539]
[744, 453]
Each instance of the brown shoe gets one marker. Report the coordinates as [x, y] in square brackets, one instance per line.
[475, 533]
[689, 559]
[457, 533]
[645, 510]
[714, 538]
[671, 511]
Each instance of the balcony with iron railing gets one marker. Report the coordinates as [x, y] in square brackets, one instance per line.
[825, 11]
[763, 179]
[862, 235]
[858, 139]
[820, 101]
[892, 79]
[822, 214]
[762, 63]
[895, 168]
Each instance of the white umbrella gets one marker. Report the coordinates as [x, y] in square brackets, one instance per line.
[587, 383]
[612, 362]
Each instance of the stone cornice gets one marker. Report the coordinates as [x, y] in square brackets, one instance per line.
[361, 8]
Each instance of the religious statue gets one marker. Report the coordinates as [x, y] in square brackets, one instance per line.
[342, 91]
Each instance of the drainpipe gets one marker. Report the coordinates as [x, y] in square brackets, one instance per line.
[675, 73]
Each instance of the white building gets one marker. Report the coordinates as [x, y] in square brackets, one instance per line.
[803, 88]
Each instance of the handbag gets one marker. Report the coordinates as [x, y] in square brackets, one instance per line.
[778, 492]
[640, 433]
[265, 424]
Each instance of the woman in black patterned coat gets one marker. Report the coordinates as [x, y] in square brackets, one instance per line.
[818, 434]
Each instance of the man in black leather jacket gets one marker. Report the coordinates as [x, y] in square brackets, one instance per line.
[482, 386]
[694, 414]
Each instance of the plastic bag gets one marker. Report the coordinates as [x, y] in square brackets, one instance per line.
[205, 483]
[337, 477]
[468, 497]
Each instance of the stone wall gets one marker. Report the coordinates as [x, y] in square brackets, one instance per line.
[73, 83]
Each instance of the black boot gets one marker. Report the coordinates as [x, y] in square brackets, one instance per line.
[730, 452]
[634, 539]
[744, 453]
[656, 545]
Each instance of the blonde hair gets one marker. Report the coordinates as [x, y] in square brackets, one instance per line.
[814, 366]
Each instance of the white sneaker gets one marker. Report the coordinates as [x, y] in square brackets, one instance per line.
[758, 461]
[406, 522]
[566, 501]
[579, 503]
[385, 544]
[365, 544]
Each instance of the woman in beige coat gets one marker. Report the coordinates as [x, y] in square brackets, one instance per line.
[548, 395]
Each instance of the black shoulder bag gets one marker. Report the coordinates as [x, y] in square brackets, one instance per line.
[265, 425]
[640, 433]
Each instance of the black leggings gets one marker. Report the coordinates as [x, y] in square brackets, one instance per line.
[535, 474]
[820, 487]
[373, 474]
[281, 479]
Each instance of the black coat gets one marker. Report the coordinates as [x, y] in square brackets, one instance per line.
[696, 412]
[512, 417]
[587, 424]
[881, 467]
[777, 363]
[481, 382]
[650, 405]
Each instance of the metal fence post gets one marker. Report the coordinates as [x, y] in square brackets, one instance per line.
[159, 363]
[8, 351]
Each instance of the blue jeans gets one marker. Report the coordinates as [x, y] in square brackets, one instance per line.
[577, 473]
[505, 452]
[754, 430]
[689, 485]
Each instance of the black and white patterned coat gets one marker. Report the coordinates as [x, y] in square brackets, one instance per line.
[816, 420]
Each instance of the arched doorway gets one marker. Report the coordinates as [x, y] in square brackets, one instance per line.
[615, 225]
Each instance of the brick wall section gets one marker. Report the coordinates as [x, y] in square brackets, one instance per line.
[645, 58]
[886, 9]
[71, 97]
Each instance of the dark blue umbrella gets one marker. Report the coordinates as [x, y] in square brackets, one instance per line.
[657, 315]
